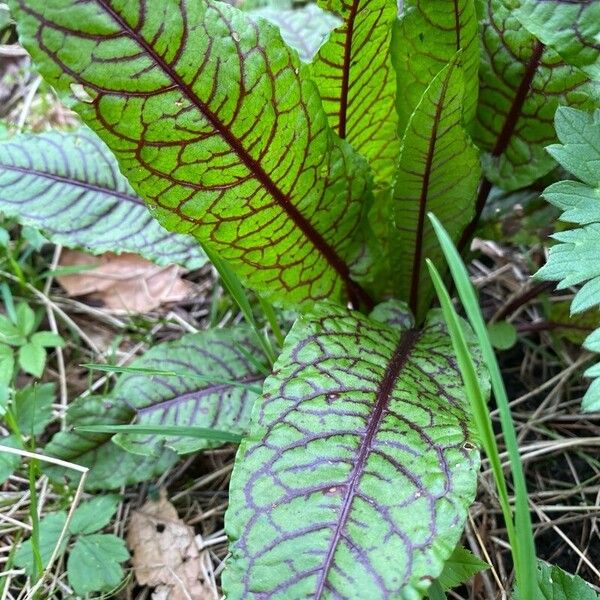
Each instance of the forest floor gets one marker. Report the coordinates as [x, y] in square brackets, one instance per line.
[543, 370]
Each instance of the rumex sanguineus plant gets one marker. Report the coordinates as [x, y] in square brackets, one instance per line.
[311, 173]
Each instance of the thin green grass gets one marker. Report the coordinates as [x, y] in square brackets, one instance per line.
[202, 433]
[162, 373]
[519, 530]
[234, 286]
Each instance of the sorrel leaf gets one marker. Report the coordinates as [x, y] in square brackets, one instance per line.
[522, 84]
[213, 386]
[570, 28]
[354, 74]
[304, 28]
[438, 171]
[216, 125]
[69, 185]
[359, 465]
[426, 39]
[574, 261]
[110, 466]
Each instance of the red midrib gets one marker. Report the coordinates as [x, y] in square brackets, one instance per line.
[384, 392]
[457, 25]
[504, 137]
[74, 182]
[346, 69]
[418, 255]
[253, 166]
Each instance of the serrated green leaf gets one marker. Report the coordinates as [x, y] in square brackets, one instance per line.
[32, 359]
[25, 318]
[438, 171]
[189, 397]
[33, 407]
[7, 364]
[354, 74]
[556, 584]
[110, 466]
[69, 184]
[50, 529]
[94, 514]
[426, 38]
[94, 563]
[304, 28]
[47, 339]
[574, 260]
[9, 334]
[9, 462]
[571, 28]
[360, 451]
[217, 125]
[522, 84]
[460, 567]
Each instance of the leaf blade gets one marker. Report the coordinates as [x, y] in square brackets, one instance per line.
[522, 84]
[438, 171]
[572, 29]
[284, 209]
[353, 72]
[574, 260]
[69, 185]
[189, 398]
[427, 37]
[350, 503]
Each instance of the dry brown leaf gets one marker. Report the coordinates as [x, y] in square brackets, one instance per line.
[165, 553]
[123, 282]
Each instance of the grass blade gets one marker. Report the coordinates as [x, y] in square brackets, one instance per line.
[234, 286]
[165, 430]
[521, 540]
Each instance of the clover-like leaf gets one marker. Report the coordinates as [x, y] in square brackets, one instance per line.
[218, 127]
[110, 467]
[50, 528]
[9, 462]
[522, 84]
[94, 563]
[426, 38]
[205, 380]
[303, 28]
[93, 515]
[574, 260]
[438, 171]
[571, 28]
[33, 407]
[32, 359]
[359, 465]
[69, 185]
[354, 74]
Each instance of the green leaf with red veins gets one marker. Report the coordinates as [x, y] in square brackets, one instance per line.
[571, 28]
[69, 185]
[354, 74]
[216, 125]
[359, 466]
[522, 84]
[438, 172]
[304, 28]
[426, 38]
[203, 379]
